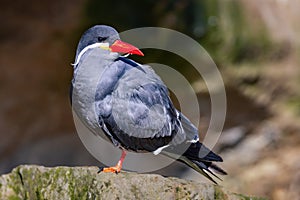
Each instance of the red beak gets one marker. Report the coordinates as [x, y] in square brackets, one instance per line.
[123, 47]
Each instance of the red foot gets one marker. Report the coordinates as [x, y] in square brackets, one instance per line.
[116, 169]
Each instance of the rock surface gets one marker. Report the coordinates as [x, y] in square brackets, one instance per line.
[38, 182]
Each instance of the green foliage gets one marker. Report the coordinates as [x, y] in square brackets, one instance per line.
[231, 37]
[220, 26]
[294, 104]
[124, 15]
[247, 44]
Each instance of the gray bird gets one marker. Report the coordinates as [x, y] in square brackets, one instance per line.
[131, 104]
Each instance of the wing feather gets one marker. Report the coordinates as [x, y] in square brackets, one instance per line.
[139, 109]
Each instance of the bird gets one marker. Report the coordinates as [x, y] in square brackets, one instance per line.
[131, 104]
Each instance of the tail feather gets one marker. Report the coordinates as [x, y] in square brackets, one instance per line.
[199, 152]
[201, 159]
[204, 166]
[191, 164]
[197, 166]
[215, 168]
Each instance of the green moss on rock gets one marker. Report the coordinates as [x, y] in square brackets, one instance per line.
[39, 183]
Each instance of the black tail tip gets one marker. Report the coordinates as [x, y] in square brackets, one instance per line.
[215, 168]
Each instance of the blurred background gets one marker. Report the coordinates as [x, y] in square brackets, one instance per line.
[254, 43]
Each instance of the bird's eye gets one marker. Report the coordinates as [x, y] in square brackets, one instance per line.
[101, 39]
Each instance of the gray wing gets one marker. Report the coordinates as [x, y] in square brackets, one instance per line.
[138, 111]
[146, 113]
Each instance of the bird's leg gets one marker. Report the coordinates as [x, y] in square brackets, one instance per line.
[118, 167]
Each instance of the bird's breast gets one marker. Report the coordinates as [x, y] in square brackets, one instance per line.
[86, 89]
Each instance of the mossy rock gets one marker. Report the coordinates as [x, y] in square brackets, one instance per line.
[38, 182]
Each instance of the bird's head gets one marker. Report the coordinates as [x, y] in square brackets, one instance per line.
[106, 38]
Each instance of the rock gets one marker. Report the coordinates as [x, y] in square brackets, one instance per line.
[231, 137]
[248, 151]
[294, 192]
[38, 182]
